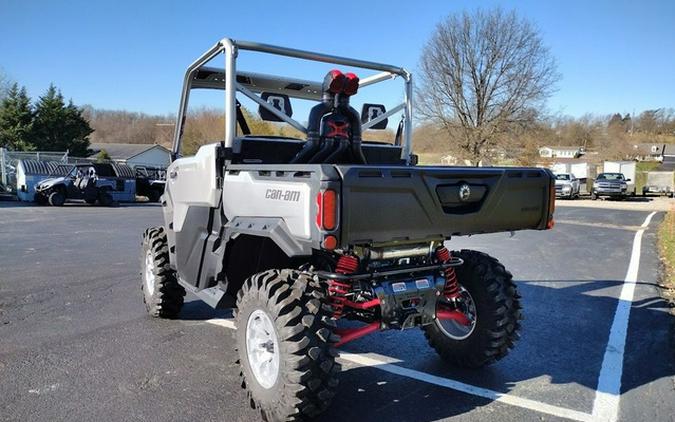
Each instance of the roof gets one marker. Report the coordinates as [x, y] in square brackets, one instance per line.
[214, 78]
[668, 164]
[561, 148]
[669, 149]
[123, 151]
[44, 168]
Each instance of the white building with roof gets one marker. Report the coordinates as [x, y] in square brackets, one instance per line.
[560, 152]
[135, 155]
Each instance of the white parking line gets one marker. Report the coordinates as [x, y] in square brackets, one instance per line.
[537, 406]
[383, 363]
[608, 392]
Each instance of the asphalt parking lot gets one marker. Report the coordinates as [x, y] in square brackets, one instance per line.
[76, 344]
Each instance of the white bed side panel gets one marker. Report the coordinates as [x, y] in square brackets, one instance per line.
[245, 196]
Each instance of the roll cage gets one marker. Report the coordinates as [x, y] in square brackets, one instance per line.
[251, 84]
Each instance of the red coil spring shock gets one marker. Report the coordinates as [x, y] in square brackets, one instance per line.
[451, 289]
[337, 290]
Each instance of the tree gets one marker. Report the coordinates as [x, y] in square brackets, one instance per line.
[5, 84]
[60, 127]
[483, 74]
[16, 120]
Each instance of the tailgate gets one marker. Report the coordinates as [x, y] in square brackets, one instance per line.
[416, 203]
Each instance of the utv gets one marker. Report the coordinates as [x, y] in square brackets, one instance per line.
[80, 182]
[150, 182]
[297, 234]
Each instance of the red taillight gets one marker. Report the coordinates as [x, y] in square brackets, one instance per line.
[326, 216]
[329, 243]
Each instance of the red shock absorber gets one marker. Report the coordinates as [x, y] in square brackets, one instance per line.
[337, 290]
[451, 289]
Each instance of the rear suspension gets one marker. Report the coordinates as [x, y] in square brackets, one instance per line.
[451, 289]
[337, 290]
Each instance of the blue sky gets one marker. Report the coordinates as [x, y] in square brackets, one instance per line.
[614, 56]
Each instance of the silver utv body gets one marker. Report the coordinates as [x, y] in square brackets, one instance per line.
[211, 200]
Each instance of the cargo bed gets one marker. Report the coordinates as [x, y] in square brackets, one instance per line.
[400, 203]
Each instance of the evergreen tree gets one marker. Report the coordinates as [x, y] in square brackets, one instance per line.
[16, 118]
[60, 127]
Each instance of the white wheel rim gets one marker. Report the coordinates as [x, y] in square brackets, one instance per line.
[262, 348]
[454, 329]
[149, 273]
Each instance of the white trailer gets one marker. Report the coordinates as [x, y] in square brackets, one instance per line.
[659, 182]
[627, 168]
[581, 170]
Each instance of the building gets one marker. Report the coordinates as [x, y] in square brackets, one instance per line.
[668, 162]
[651, 151]
[135, 155]
[560, 152]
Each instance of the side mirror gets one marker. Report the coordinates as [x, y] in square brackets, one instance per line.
[627, 180]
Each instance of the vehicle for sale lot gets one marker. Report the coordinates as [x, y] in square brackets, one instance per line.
[81, 182]
[659, 183]
[298, 234]
[566, 186]
[613, 185]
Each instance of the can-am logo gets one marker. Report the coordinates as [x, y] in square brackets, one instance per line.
[283, 195]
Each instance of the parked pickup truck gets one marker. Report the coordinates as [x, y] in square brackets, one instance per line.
[567, 186]
[298, 234]
[613, 185]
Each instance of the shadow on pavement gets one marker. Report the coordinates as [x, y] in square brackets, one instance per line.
[562, 348]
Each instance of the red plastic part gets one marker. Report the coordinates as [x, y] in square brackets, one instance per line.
[451, 289]
[352, 84]
[362, 305]
[347, 264]
[454, 316]
[351, 334]
[337, 82]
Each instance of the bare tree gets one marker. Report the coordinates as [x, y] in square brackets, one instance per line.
[482, 74]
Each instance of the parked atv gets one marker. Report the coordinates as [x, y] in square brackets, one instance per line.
[298, 234]
[81, 182]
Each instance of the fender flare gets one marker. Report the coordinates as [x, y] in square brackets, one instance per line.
[273, 228]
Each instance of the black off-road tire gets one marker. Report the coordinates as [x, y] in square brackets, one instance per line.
[307, 375]
[57, 199]
[165, 299]
[105, 199]
[498, 314]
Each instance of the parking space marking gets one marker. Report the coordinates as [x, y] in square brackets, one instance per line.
[512, 400]
[222, 322]
[598, 225]
[384, 363]
[608, 392]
